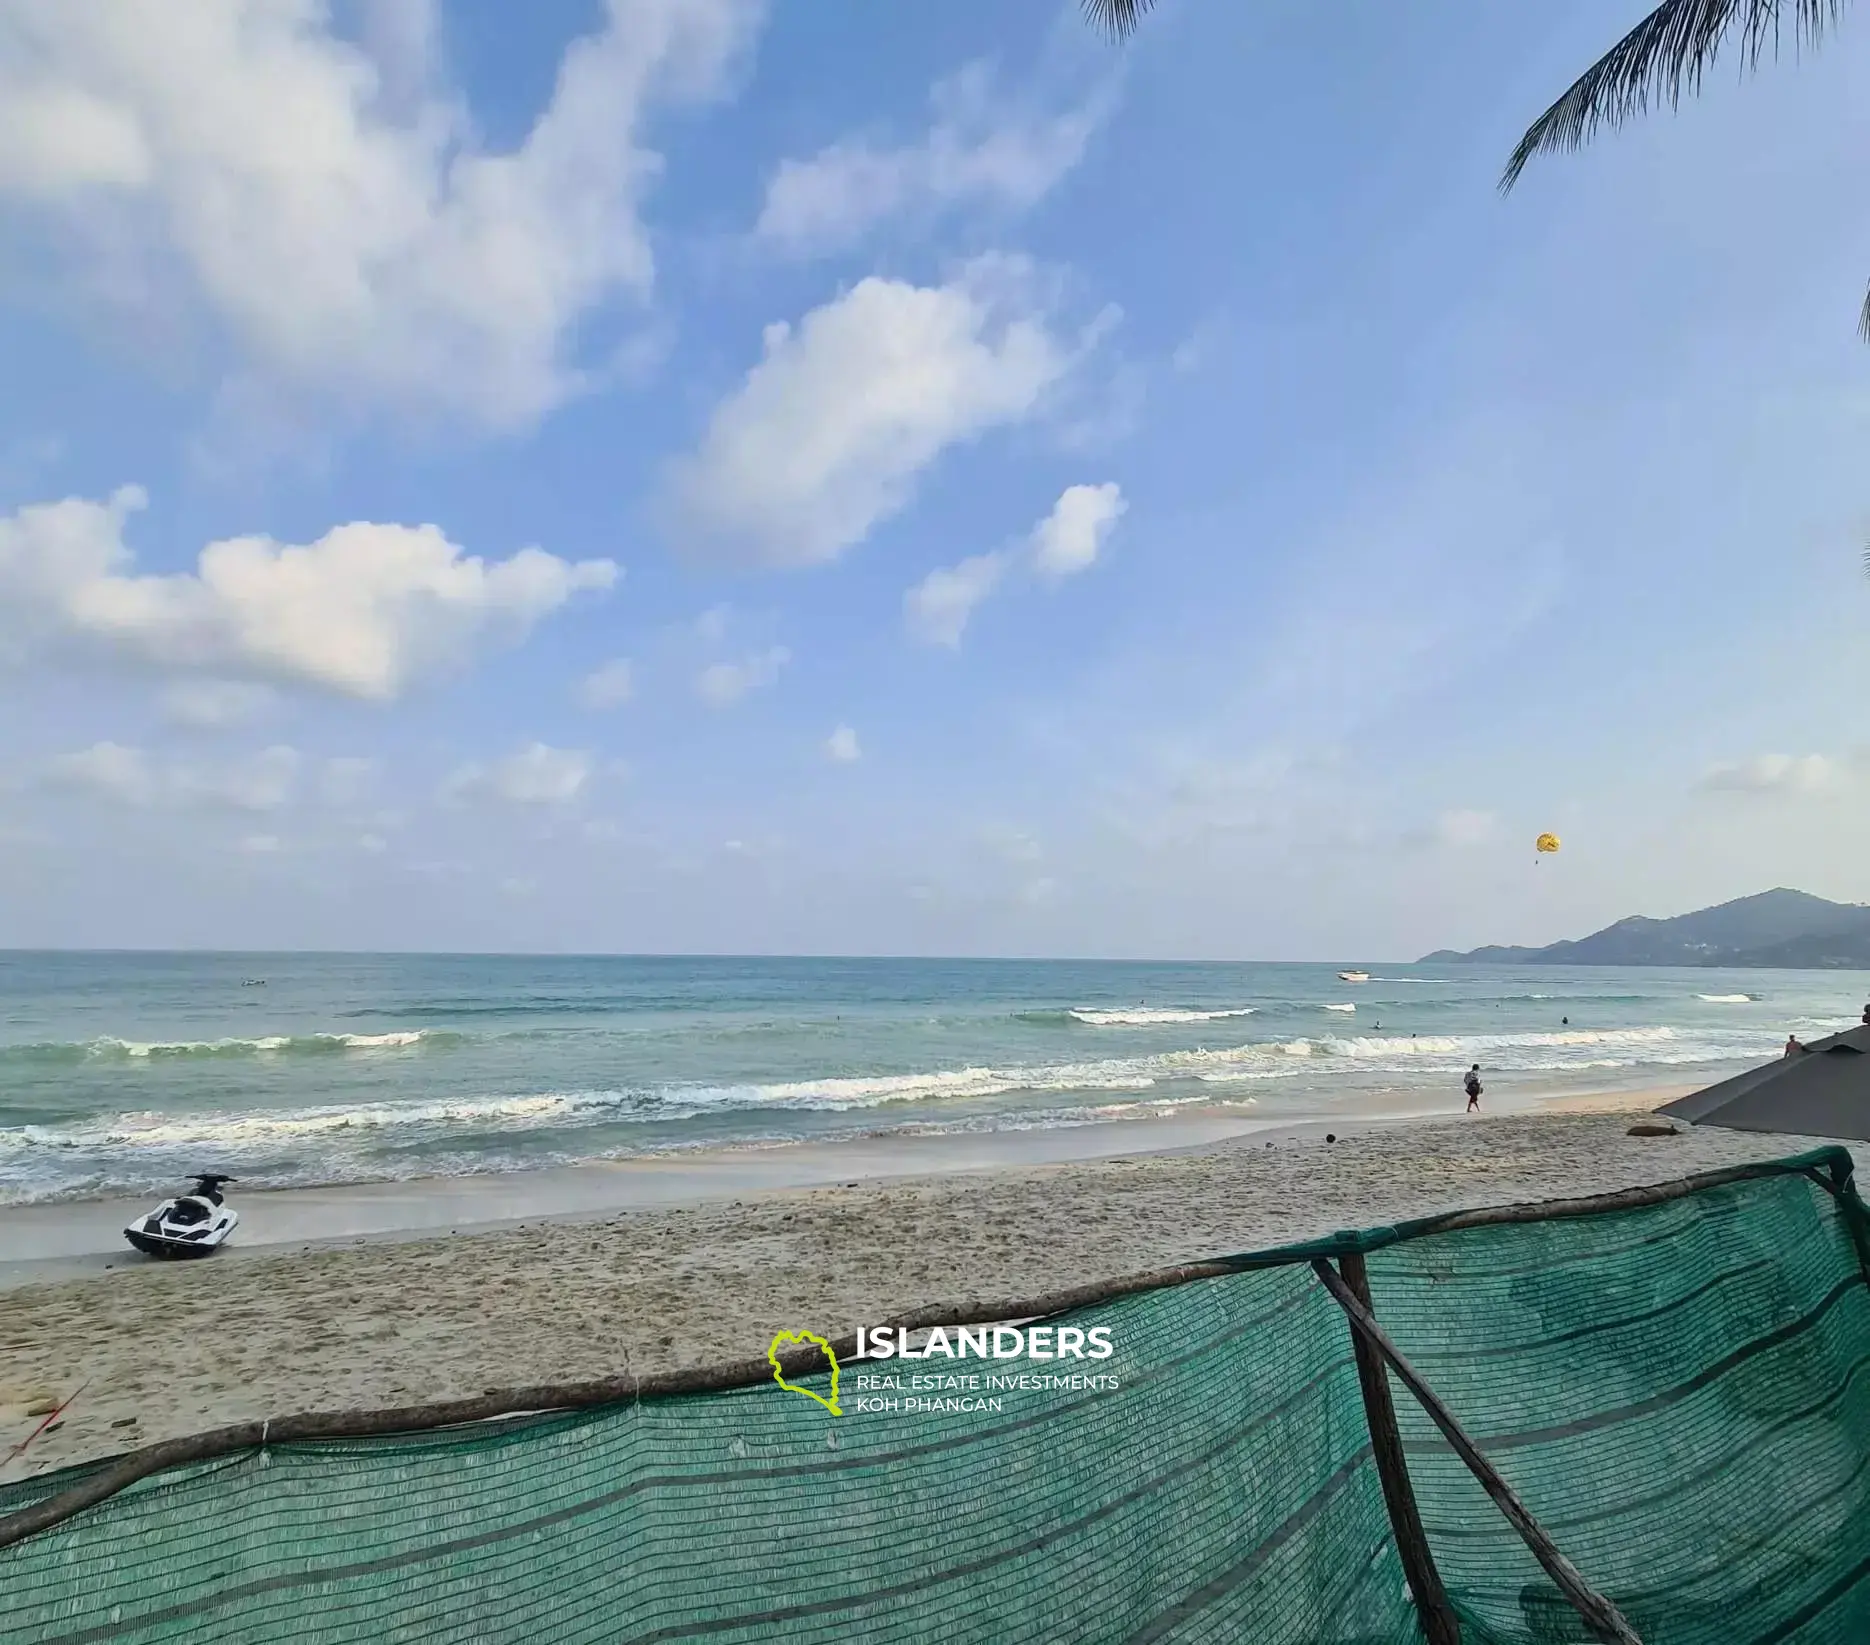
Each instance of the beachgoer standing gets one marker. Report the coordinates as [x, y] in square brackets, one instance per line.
[1472, 1086]
[1793, 1048]
[1867, 1016]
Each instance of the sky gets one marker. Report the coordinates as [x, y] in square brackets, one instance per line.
[820, 477]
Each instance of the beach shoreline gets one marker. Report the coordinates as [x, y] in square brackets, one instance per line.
[73, 1238]
[161, 1350]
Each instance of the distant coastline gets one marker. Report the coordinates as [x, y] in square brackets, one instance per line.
[1774, 930]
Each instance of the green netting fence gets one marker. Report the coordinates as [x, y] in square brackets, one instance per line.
[1677, 1391]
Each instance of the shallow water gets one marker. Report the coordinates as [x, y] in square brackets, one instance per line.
[122, 1072]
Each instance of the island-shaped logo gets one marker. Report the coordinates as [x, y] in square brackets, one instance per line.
[778, 1374]
[801, 1338]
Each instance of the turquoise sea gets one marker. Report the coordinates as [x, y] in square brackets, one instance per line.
[125, 1072]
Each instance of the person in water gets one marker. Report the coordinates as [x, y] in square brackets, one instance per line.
[1472, 1086]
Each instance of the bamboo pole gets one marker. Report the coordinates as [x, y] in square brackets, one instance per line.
[1600, 1616]
[1439, 1623]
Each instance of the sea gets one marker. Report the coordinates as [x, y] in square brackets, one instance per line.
[125, 1072]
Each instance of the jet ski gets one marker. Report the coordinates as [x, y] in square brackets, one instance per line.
[190, 1225]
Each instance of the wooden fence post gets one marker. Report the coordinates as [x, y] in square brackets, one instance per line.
[1439, 1623]
[1600, 1616]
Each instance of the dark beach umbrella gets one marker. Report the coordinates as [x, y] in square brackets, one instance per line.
[1822, 1092]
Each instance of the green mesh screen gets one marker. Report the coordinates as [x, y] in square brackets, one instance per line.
[1676, 1392]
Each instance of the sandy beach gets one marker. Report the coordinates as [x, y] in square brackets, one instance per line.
[152, 1351]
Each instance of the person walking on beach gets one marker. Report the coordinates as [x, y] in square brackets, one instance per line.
[1472, 1085]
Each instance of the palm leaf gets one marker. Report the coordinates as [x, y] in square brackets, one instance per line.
[1664, 56]
[1117, 18]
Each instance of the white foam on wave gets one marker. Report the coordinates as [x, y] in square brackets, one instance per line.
[1152, 1017]
[221, 1130]
[1726, 999]
[1346, 1007]
[349, 1138]
[108, 1045]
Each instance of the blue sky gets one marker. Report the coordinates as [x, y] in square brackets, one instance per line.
[689, 475]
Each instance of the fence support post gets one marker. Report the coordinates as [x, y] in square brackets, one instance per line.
[1440, 1626]
[1600, 1616]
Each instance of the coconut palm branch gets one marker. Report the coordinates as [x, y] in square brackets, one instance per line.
[1664, 56]
[1117, 18]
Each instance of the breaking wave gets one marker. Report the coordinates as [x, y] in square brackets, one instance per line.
[109, 1048]
[1152, 1017]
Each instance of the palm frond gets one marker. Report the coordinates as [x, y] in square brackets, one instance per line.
[1863, 324]
[1117, 18]
[1664, 56]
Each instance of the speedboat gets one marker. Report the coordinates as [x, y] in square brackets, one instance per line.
[1353, 976]
[190, 1225]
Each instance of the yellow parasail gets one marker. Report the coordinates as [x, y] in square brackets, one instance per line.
[1546, 843]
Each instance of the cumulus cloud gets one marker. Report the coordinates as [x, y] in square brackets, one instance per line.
[608, 686]
[330, 205]
[118, 775]
[841, 746]
[828, 433]
[1067, 540]
[1061, 545]
[938, 608]
[980, 149]
[363, 611]
[1776, 774]
[536, 775]
[724, 684]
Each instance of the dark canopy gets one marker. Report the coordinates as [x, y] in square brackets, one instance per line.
[1823, 1092]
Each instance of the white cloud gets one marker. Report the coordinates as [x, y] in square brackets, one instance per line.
[608, 686]
[1466, 828]
[108, 771]
[724, 684]
[214, 705]
[938, 607]
[331, 206]
[260, 844]
[841, 746]
[1067, 540]
[979, 150]
[828, 433]
[536, 775]
[1776, 774]
[363, 611]
[1064, 543]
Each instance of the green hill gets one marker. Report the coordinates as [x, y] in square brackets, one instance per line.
[1791, 929]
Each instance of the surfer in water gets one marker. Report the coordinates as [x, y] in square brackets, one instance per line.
[1472, 1086]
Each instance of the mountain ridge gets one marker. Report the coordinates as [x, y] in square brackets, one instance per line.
[1777, 929]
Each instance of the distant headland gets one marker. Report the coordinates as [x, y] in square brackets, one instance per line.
[1789, 929]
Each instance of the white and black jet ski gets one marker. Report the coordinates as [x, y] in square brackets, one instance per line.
[190, 1225]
